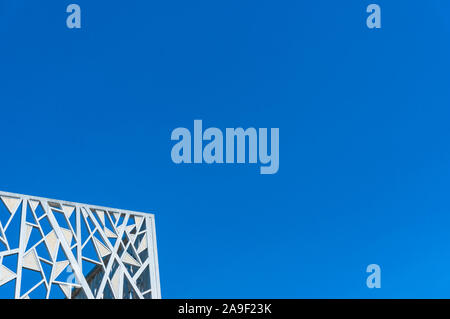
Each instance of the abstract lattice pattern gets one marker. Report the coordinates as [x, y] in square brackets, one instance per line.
[58, 249]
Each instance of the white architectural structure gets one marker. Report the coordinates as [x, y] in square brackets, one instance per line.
[57, 249]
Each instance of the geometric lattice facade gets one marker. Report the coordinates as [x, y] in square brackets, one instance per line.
[57, 249]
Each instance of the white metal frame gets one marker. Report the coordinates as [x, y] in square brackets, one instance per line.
[124, 242]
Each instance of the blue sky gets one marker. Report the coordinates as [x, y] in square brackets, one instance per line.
[86, 116]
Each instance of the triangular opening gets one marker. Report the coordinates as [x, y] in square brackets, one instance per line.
[13, 233]
[52, 243]
[7, 290]
[73, 221]
[107, 292]
[132, 253]
[68, 210]
[39, 292]
[128, 290]
[102, 249]
[30, 217]
[108, 223]
[113, 241]
[39, 211]
[143, 282]
[34, 237]
[4, 214]
[85, 232]
[90, 252]
[42, 251]
[75, 252]
[140, 242]
[87, 267]
[45, 225]
[99, 216]
[91, 224]
[67, 290]
[30, 279]
[3, 247]
[47, 269]
[114, 217]
[139, 222]
[10, 262]
[62, 271]
[68, 236]
[56, 292]
[11, 203]
[61, 219]
[120, 219]
[61, 255]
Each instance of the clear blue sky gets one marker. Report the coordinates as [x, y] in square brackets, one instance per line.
[86, 116]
